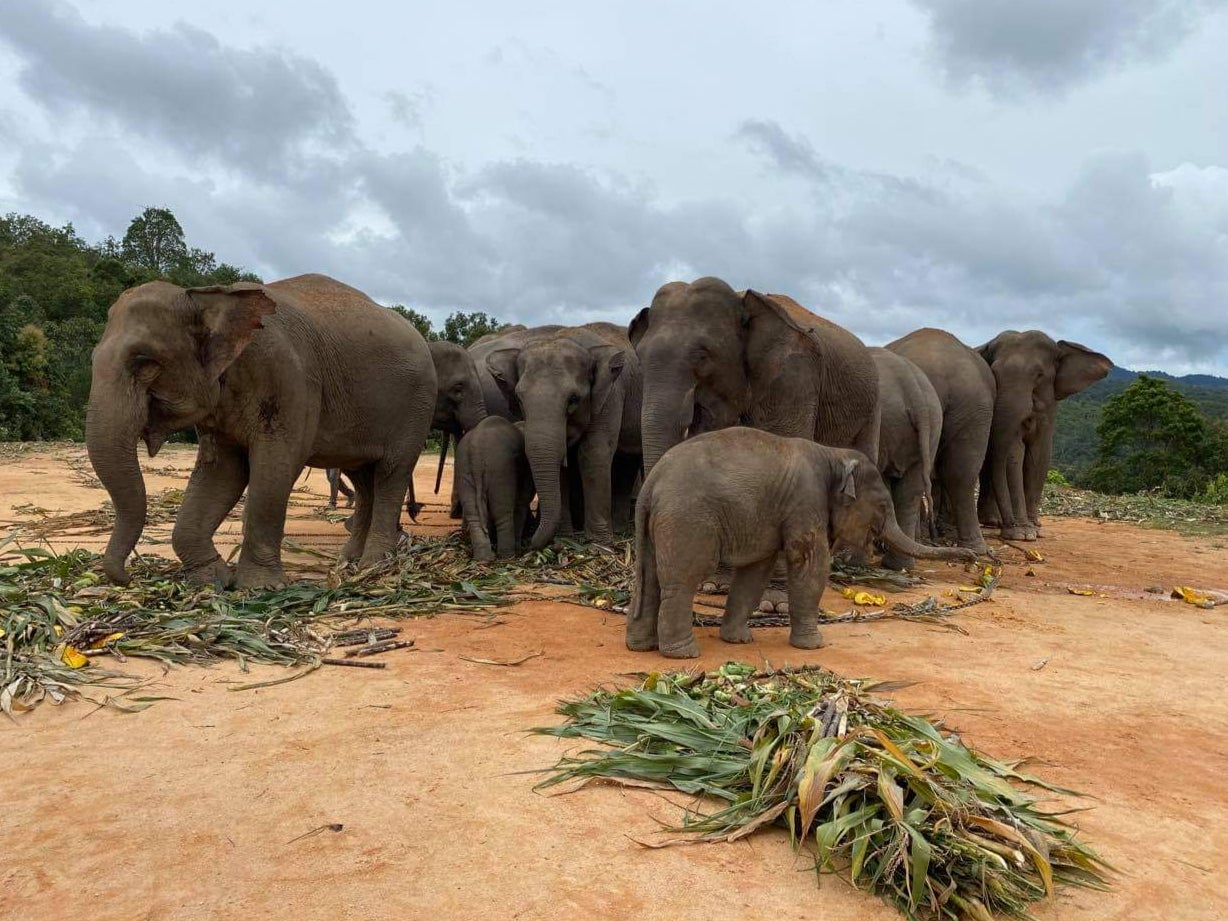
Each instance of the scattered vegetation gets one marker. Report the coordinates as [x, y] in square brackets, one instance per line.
[901, 806]
[1150, 509]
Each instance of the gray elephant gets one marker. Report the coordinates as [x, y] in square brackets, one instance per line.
[496, 486]
[908, 438]
[459, 405]
[712, 357]
[966, 390]
[304, 371]
[1032, 372]
[740, 496]
[577, 390]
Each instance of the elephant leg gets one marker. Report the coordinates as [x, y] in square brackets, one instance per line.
[363, 479]
[809, 566]
[1036, 460]
[686, 559]
[454, 502]
[626, 469]
[1008, 490]
[596, 456]
[503, 513]
[271, 478]
[391, 482]
[211, 493]
[333, 475]
[906, 498]
[643, 615]
[960, 472]
[520, 513]
[986, 503]
[745, 593]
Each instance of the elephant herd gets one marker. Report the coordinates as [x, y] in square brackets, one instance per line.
[311, 372]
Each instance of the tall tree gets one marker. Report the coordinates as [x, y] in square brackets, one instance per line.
[155, 241]
[1154, 437]
[466, 328]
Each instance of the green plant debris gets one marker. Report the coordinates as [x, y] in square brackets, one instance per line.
[1148, 509]
[895, 802]
[60, 621]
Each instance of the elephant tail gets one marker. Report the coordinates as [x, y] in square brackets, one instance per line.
[927, 440]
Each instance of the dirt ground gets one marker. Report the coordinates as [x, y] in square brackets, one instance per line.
[188, 810]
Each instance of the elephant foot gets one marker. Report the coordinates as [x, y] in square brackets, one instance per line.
[216, 572]
[1030, 533]
[115, 571]
[897, 561]
[813, 640]
[687, 650]
[260, 577]
[736, 634]
[374, 558]
[977, 545]
[331, 505]
[1015, 532]
[992, 523]
[641, 645]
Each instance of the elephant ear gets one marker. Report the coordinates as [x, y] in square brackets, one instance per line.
[638, 326]
[229, 317]
[608, 364]
[502, 365]
[1078, 368]
[848, 480]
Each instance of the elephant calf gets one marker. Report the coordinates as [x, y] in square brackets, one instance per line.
[496, 486]
[739, 496]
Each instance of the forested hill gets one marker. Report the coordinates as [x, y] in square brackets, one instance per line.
[1074, 443]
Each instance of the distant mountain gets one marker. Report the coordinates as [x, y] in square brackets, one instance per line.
[1075, 441]
[1190, 380]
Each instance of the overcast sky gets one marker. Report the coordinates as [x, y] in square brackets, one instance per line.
[971, 164]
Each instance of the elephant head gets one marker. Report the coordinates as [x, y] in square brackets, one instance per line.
[691, 344]
[861, 510]
[156, 370]
[1032, 372]
[559, 385]
[711, 357]
[458, 400]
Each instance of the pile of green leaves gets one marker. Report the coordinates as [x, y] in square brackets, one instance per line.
[902, 807]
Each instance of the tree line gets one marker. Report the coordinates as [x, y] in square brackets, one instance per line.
[55, 289]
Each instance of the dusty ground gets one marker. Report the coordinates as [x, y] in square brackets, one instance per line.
[187, 810]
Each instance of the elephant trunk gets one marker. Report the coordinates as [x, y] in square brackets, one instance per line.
[546, 448]
[113, 424]
[664, 420]
[443, 456]
[903, 544]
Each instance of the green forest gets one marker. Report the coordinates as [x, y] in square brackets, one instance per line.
[1127, 433]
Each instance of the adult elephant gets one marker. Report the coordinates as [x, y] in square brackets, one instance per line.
[1033, 372]
[909, 431]
[577, 390]
[966, 390]
[304, 371]
[712, 357]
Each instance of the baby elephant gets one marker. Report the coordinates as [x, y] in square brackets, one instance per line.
[739, 496]
[496, 486]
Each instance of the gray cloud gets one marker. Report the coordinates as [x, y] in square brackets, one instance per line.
[260, 110]
[1125, 256]
[1012, 45]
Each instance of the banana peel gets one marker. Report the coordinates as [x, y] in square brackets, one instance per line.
[1198, 597]
[861, 597]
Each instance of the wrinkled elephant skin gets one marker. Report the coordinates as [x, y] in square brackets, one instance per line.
[304, 371]
[741, 496]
